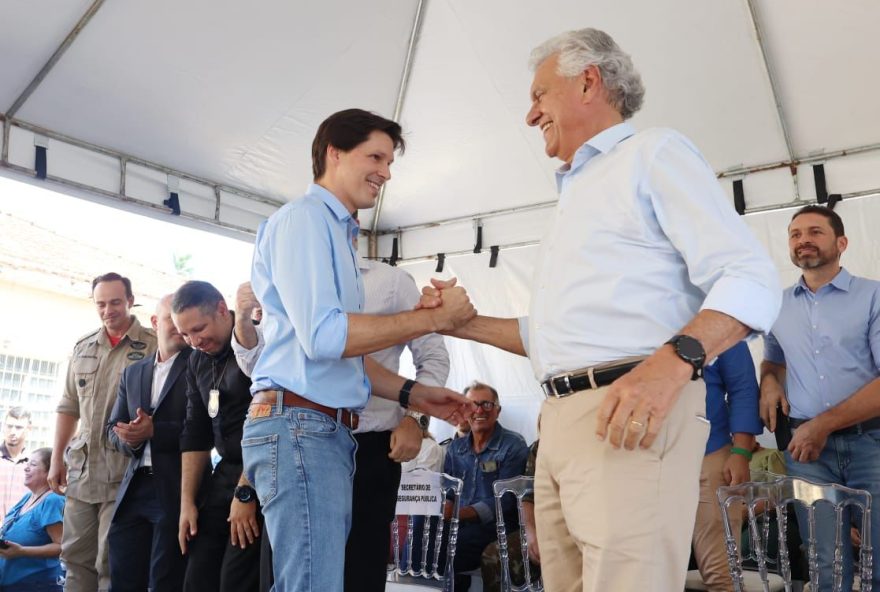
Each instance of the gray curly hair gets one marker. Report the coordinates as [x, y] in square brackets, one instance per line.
[580, 49]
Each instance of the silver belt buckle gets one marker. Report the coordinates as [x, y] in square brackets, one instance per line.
[550, 391]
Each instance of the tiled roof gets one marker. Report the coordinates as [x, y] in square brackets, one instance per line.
[40, 258]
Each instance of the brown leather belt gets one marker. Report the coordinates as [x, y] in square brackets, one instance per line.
[290, 399]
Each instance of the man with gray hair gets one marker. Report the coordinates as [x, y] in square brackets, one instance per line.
[645, 273]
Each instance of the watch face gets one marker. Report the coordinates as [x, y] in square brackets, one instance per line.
[689, 348]
[424, 421]
[245, 494]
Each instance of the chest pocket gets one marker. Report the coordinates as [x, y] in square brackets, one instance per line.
[85, 370]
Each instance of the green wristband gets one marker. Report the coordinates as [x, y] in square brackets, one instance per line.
[742, 452]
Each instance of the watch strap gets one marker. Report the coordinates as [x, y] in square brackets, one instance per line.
[404, 395]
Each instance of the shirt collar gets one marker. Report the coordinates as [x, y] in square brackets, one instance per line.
[170, 360]
[494, 441]
[841, 281]
[601, 143]
[340, 211]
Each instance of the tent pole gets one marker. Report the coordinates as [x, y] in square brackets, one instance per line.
[774, 91]
[47, 67]
[401, 94]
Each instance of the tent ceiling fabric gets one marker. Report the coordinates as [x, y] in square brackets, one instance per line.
[233, 92]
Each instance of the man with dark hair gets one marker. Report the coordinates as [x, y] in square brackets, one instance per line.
[489, 453]
[85, 466]
[145, 426]
[822, 369]
[220, 520]
[312, 373]
[13, 457]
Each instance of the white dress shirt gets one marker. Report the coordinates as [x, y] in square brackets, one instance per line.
[160, 376]
[642, 239]
[387, 290]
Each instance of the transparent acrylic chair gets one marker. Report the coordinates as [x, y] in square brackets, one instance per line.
[780, 494]
[519, 487]
[428, 572]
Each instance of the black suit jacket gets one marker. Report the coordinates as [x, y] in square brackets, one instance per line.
[135, 390]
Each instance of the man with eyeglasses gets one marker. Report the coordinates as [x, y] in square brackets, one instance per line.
[490, 452]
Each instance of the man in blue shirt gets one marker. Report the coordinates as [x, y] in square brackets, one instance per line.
[821, 368]
[644, 273]
[313, 374]
[732, 409]
[489, 453]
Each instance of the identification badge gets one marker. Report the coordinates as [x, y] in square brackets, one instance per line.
[490, 466]
[213, 403]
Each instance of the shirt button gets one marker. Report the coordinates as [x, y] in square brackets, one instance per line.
[828, 404]
[821, 378]
[814, 326]
[817, 351]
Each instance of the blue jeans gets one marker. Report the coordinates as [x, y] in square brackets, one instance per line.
[852, 460]
[301, 462]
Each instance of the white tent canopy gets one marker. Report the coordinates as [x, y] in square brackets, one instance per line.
[218, 101]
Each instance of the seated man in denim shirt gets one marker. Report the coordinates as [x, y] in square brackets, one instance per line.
[487, 454]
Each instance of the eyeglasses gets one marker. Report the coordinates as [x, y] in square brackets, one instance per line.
[487, 405]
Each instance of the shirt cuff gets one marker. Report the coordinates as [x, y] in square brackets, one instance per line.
[751, 303]
[487, 516]
[523, 323]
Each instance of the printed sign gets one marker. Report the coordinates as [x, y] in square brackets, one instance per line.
[420, 494]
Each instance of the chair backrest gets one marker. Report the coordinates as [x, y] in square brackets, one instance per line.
[780, 494]
[428, 550]
[519, 487]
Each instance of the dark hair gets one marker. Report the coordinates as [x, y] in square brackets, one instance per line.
[833, 217]
[114, 277]
[196, 293]
[44, 455]
[19, 413]
[481, 386]
[346, 130]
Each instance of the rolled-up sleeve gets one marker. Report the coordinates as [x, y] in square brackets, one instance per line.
[247, 358]
[429, 353]
[300, 254]
[523, 323]
[723, 257]
[738, 374]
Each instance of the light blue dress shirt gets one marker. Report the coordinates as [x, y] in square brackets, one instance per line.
[306, 276]
[829, 342]
[642, 239]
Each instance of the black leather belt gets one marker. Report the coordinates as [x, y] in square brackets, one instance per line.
[145, 471]
[595, 377]
[859, 428]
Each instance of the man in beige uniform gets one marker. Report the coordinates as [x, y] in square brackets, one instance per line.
[85, 466]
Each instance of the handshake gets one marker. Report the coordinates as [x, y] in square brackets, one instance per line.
[448, 304]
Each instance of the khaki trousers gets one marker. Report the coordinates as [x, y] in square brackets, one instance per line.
[710, 548]
[617, 520]
[84, 547]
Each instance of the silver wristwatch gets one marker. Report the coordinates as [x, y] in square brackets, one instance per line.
[420, 418]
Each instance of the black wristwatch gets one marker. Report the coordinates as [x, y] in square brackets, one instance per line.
[405, 392]
[245, 494]
[691, 351]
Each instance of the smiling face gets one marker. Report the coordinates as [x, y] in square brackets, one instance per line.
[356, 176]
[113, 306]
[35, 472]
[484, 420]
[559, 106]
[812, 243]
[209, 332]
